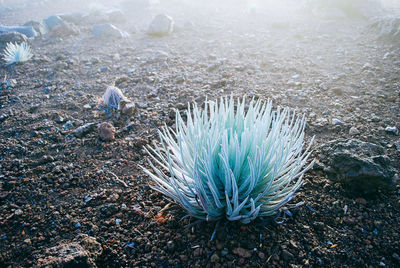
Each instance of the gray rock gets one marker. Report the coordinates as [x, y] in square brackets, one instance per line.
[392, 130]
[84, 130]
[28, 31]
[127, 107]
[13, 37]
[161, 25]
[52, 21]
[65, 29]
[362, 167]
[66, 255]
[90, 244]
[108, 30]
[3, 117]
[39, 26]
[354, 131]
[337, 122]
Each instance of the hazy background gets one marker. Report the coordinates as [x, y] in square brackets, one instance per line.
[273, 10]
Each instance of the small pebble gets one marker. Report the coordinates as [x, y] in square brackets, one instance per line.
[106, 131]
[286, 255]
[337, 122]
[261, 255]
[354, 131]
[392, 130]
[170, 245]
[214, 258]
[18, 212]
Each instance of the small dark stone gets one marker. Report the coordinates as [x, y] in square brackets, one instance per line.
[109, 209]
[214, 258]
[106, 131]
[319, 226]
[170, 245]
[286, 255]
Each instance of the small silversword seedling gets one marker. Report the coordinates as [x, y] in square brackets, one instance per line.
[17, 53]
[113, 97]
[227, 161]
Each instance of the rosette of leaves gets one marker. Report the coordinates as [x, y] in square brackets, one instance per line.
[230, 161]
[17, 53]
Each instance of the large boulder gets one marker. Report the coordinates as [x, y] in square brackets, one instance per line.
[108, 31]
[28, 31]
[13, 37]
[53, 21]
[161, 25]
[65, 29]
[39, 26]
[362, 167]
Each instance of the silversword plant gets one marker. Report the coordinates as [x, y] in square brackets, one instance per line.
[229, 161]
[17, 53]
[113, 97]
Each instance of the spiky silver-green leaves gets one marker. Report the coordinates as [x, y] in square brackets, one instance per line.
[225, 161]
[17, 53]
